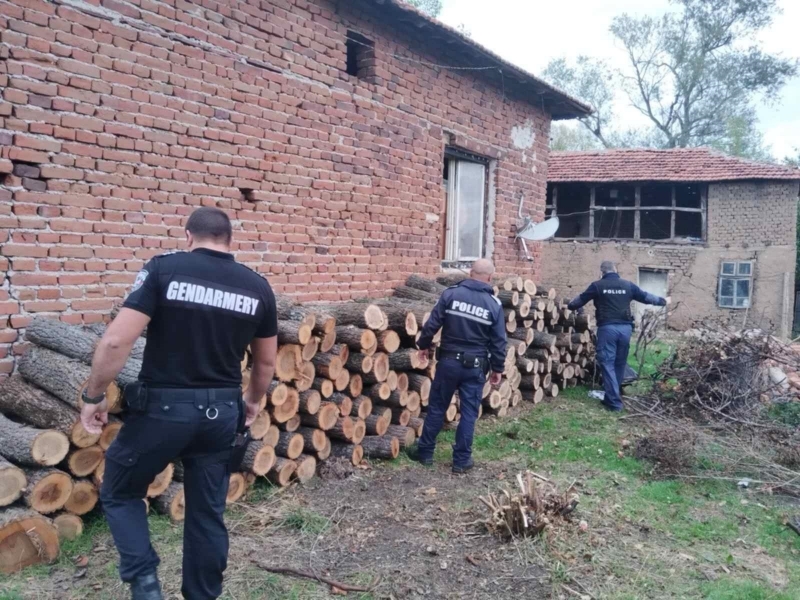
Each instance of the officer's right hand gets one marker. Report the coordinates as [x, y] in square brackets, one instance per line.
[496, 378]
[252, 410]
[423, 355]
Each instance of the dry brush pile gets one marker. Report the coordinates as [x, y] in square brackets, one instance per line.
[348, 383]
[732, 384]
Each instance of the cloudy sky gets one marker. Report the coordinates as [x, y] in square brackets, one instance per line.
[530, 33]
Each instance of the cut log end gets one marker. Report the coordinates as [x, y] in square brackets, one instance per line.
[84, 461]
[83, 498]
[237, 486]
[109, 434]
[12, 482]
[50, 448]
[48, 490]
[306, 468]
[282, 472]
[69, 526]
[26, 538]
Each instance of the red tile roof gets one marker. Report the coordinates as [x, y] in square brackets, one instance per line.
[679, 164]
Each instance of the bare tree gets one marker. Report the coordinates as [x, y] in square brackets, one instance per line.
[693, 72]
[430, 7]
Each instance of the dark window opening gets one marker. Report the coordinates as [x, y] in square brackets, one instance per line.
[688, 225]
[687, 196]
[655, 224]
[614, 224]
[360, 55]
[656, 195]
[572, 202]
[615, 195]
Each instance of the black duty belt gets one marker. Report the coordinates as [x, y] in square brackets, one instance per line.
[467, 359]
[208, 396]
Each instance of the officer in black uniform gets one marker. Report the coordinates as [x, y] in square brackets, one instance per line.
[473, 340]
[612, 298]
[202, 310]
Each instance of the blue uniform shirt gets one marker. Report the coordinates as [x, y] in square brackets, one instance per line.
[472, 320]
[612, 298]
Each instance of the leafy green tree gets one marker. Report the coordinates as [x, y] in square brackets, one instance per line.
[695, 74]
[430, 7]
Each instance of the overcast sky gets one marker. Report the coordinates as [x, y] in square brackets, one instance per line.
[529, 33]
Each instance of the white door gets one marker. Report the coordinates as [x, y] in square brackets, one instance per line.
[653, 282]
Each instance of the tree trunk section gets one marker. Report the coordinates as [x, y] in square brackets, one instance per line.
[47, 491]
[83, 461]
[362, 407]
[325, 418]
[258, 458]
[382, 411]
[402, 381]
[401, 318]
[405, 435]
[325, 453]
[291, 425]
[356, 385]
[290, 445]
[313, 439]
[400, 416]
[12, 482]
[328, 365]
[306, 468]
[356, 339]
[69, 526]
[544, 341]
[161, 482]
[288, 362]
[388, 341]
[352, 452]
[171, 502]
[385, 446]
[406, 360]
[26, 538]
[416, 424]
[309, 350]
[40, 409]
[305, 376]
[83, 498]
[31, 447]
[359, 363]
[293, 332]
[273, 433]
[344, 402]
[260, 426]
[277, 393]
[410, 293]
[420, 384]
[342, 430]
[359, 431]
[109, 434]
[310, 401]
[342, 382]
[282, 471]
[359, 314]
[237, 486]
[61, 376]
[376, 424]
[323, 386]
[284, 412]
[426, 285]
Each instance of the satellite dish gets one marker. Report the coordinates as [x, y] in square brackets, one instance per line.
[539, 231]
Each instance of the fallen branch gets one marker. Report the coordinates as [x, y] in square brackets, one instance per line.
[306, 575]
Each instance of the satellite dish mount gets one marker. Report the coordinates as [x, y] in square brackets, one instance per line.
[527, 230]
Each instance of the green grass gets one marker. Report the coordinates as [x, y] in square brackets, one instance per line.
[305, 521]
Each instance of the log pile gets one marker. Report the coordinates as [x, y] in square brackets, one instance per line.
[348, 383]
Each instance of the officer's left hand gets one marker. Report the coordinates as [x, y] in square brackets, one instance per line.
[496, 378]
[252, 410]
[423, 354]
[94, 417]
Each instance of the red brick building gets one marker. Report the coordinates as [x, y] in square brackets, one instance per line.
[717, 233]
[352, 142]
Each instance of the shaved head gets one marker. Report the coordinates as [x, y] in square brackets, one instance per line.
[482, 270]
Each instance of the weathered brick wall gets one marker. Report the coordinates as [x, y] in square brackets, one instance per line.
[117, 118]
[746, 221]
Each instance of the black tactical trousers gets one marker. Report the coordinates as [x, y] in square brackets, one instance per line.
[198, 426]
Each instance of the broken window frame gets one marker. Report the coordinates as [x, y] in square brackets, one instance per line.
[551, 210]
[741, 270]
[452, 251]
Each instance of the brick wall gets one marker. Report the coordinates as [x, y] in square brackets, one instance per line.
[117, 118]
[746, 221]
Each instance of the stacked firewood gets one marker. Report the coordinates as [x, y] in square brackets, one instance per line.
[349, 383]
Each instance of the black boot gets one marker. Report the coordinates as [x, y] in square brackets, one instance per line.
[146, 587]
[413, 453]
